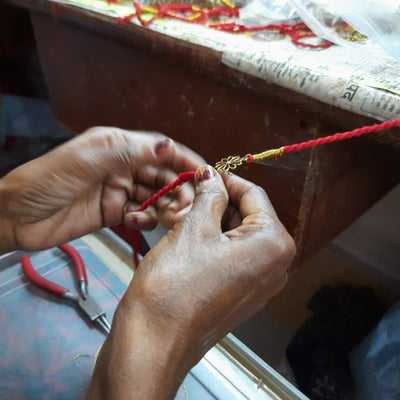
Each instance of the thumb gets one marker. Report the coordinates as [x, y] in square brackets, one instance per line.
[210, 202]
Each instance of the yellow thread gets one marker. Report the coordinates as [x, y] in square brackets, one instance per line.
[80, 355]
[228, 3]
[150, 10]
[196, 8]
[184, 391]
[194, 16]
[268, 154]
[356, 36]
[97, 354]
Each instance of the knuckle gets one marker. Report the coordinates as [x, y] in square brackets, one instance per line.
[285, 249]
[160, 178]
[97, 130]
[211, 192]
[274, 239]
[158, 136]
[259, 189]
[105, 136]
[252, 187]
[212, 197]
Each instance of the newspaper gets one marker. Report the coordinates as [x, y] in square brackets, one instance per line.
[347, 78]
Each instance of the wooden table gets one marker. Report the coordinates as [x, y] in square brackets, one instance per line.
[100, 72]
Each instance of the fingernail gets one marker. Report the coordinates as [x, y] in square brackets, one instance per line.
[205, 173]
[133, 219]
[161, 146]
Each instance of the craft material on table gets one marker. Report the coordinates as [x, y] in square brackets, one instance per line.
[207, 16]
[86, 303]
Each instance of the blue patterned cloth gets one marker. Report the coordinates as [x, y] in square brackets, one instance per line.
[47, 345]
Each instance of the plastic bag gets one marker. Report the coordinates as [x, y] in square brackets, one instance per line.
[368, 24]
[268, 11]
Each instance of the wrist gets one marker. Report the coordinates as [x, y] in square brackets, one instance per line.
[7, 225]
[140, 348]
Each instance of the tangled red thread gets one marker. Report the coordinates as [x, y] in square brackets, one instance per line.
[201, 15]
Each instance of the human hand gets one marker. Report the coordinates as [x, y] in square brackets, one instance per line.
[96, 179]
[192, 288]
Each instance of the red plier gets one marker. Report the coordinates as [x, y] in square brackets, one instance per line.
[85, 302]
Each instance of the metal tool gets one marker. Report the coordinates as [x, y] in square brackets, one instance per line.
[85, 302]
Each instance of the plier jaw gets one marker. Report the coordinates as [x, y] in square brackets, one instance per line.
[94, 312]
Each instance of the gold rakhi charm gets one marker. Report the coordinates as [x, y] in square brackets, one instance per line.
[230, 163]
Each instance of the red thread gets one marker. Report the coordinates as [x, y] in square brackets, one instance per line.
[127, 18]
[182, 178]
[296, 32]
[342, 136]
[181, 12]
[197, 15]
[250, 158]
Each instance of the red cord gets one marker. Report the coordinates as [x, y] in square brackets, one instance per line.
[342, 136]
[182, 178]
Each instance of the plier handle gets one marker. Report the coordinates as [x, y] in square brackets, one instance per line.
[85, 302]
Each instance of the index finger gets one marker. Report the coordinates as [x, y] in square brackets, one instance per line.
[175, 155]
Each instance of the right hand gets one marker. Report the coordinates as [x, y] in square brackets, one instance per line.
[196, 285]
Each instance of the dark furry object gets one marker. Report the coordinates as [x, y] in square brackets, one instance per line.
[318, 353]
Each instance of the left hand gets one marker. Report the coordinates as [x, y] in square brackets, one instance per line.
[95, 180]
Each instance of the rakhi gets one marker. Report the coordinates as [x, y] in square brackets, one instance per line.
[232, 162]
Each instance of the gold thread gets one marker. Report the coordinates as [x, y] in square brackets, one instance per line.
[195, 16]
[97, 354]
[350, 34]
[356, 36]
[268, 154]
[228, 3]
[80, 355]
[150, 10]
[184, 391]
